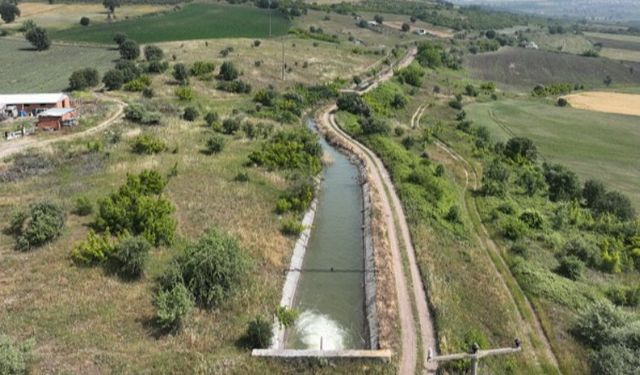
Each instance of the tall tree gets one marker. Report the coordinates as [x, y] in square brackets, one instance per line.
[9, 12]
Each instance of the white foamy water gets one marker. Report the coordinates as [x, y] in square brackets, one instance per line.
[312, 326]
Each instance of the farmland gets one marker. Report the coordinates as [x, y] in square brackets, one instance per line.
[525, 68]
[595, 145]
[24, 70]
[609, 102]
[194, 21]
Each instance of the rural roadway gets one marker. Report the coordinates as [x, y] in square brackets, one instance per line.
[8, 148]
[411, 290]
[482, 235]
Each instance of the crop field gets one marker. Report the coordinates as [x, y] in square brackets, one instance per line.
[621, 54]
[25, 70]
[193, 21]
[61, 16]
[595, 145]
[525, 68]
[614, 37]
[610, 102]
[569, 43]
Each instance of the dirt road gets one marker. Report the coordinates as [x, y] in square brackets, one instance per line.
[399, 238]
[8, 148]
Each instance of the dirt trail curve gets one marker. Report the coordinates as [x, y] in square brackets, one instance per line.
[399, 237]
[485, 239]
[8, 148]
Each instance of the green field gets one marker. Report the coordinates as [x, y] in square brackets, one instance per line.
[595, 145]
[194, 21]
[525, 68]
[25, 70]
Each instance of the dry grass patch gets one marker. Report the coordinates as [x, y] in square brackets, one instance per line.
[610, 102]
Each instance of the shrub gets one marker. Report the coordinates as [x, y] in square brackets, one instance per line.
[129, 257]
[258, 334]
[83, 207]
[212, 269]
[563, 183]
[256, 43]
[624, 296]
[296, 149]
[147, 144]
[520, 249]
[291, 227]
[353, 103]
[153, 53]
[520, 149]
[180, 73]
[615, 360]
[156, 66]
[119, 38]
[211, 118]
[215, 144]
[14, 357]
[173, 307]
[94, 250]
[41, 223]
[84, 79]
[596, 324]
[190, 114]
[371, 125]
[147, 92]
[85, 21]
[137, 113]
[38, 38]
[113, 79]
[570, 267]
[453, 215]
[138, 208]
[584, 250]
[533, 219]
[202, 68]
[237, 86]
[228, 71]
[286, 316]
[138, 84]
[184, 94]
[412, 75]
[513, 229]
[231, 125]
[562, 102]
[129, 69]
[129, 50]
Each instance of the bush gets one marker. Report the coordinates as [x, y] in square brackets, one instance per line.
[138, 84]
[41, 223]
[83, 207]
[371, 125]
[563, 183]
[624, 296]
[237, 86]
[94, 250]
[533, 219]
[412, 75]
[520, 249]
[562, 102]
[231, 125]
[180, 73]
[138, 208]
[211, 118]
[14, 357]
[615, 360]
[113, 79]
[202, 68]
[584, 250]
[129, 257]
[453, 215]
[147, 144]
[595, 325]
[293, 150]
[520, 149]
[119, 38]
[353, 103]
[513, 229]
[129, 50]
[85, 21]
[212, 269]
[147, 92]
[258, 334]
[291, 227]
[215, 144]
[184, 93]
[570, 267]
[38, 38]
[228, 71]
[84, 79]
[156, 66]
[153, 53]
[137, 113]
[190, 114]
[173, 307]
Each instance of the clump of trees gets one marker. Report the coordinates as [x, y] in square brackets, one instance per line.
[290, 150]
[84, 79]
[39, 224]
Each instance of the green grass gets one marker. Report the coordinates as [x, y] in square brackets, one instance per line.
[194, 21]
[524, 68]
[595, 145]
[25, 70]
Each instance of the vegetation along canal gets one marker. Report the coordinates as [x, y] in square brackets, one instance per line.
[330, 295]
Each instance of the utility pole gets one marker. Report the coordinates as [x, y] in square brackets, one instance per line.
[475, 354]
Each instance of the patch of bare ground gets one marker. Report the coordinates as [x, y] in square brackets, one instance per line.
[610, 102]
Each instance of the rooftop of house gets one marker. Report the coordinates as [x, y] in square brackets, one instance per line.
[56, 112]
[32, 98]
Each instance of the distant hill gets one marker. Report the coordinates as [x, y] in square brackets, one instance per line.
[599, 10]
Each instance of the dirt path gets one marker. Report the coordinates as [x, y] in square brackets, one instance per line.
[399, 237]
[484, 238]
[8, 148]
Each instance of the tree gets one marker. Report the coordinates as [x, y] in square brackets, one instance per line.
[520, 149]
[111, 6]
[406, 27]
[119, 38]
[129, 50]
[352, 102]
[490, 34]
[563, 183]
[9, 12]
[228, 71]
[379, 19]
[615, 203]
[180, 73]
[84, 79]
[39, 38]
[592, 192]
[113, 79]
[430, 55]
[412, 75]
[85, 21]
[153, 53]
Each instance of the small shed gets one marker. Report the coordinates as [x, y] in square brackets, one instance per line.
[56, 118]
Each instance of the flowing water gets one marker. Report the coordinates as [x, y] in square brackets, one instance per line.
[330, 294]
